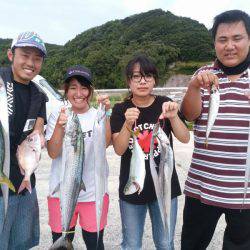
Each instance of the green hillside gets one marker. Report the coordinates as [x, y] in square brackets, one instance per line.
[6, 43]
[106, 49]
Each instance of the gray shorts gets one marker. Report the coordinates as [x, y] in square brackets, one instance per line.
[21, 229]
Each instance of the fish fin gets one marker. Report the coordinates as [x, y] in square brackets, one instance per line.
[57, 188]
[37, 156]
[25, 184]
[62, 243]
[82, 186]
[5, 180]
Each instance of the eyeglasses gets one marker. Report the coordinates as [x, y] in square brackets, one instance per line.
[138, 77]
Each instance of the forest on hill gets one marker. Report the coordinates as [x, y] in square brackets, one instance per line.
[167, 39]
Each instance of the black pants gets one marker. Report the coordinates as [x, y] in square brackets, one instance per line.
[89, 238]
[199, 223]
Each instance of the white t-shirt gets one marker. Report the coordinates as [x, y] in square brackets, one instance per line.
[87, 123]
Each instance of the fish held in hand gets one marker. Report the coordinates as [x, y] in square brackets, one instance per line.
[214, 103]
[137, 170]
[71, 177]
[162, 179]
[28, 156]
[100, 162]
[3, 178]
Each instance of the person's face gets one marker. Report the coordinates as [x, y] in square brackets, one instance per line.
[26, 63]
[78, 96]
[141, 85]
[231, 43]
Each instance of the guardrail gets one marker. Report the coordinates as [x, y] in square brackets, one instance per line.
[175, 93]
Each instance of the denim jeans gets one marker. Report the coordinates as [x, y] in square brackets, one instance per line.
[21, 228]
[133, 220]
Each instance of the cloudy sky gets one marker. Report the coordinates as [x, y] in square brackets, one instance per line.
[58, 21]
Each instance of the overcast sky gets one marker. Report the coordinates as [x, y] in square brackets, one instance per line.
[58, 21]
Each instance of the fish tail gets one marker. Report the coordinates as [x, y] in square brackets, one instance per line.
[5, 180]
[25, 184]
[206, 143]
[62, 243]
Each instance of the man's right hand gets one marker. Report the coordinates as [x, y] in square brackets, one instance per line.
[204, 79]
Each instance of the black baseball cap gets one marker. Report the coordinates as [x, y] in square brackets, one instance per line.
[81, 71]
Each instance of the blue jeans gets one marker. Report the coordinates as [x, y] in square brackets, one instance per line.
[21, 228]
[133, 220]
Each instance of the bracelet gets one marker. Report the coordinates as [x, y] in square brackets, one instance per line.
[108, 113]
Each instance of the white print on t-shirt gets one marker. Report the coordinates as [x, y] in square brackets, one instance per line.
[144, 139]
[145, 126]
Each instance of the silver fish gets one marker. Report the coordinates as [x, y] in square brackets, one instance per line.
[72, 183]
[214, 103]
[137, 170]
[4, 149]
[100, 162]
[3, 178]
[28, 156]
[162, 180]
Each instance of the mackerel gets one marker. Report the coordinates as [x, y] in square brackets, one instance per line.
[4, 148]
[162, 179]
[137, 170]
[100, 162]
[71, 180]
[214, 103]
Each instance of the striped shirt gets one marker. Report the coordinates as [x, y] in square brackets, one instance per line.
[217, 172]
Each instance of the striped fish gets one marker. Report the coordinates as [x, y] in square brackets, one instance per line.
[4, 149]
[72, 183]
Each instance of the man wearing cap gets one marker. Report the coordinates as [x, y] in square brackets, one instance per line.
[22, 112]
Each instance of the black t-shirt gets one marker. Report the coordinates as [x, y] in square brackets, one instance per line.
[22, 100]
[147, 118]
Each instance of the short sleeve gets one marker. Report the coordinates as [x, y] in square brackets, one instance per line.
[51, 125]
[117, 118]
[42, 111]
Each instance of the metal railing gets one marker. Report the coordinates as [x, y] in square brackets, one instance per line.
[175, 93]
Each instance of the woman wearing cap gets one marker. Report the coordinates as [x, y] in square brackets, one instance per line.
[140, 112]
[78, 92]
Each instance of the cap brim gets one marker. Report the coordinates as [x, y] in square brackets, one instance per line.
[67, 79]
[22, 45]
